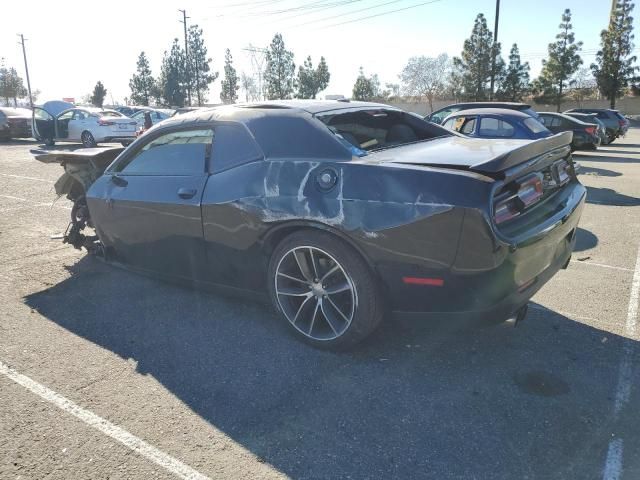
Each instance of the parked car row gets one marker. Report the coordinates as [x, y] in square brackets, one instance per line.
[15, 123]
[590, 127]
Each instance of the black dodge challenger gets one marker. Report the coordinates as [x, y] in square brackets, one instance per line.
[340, 211]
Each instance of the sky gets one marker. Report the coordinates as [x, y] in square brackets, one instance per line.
[72, 44]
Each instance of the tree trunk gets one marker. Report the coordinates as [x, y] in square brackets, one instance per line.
[559, 101]
[430, 98]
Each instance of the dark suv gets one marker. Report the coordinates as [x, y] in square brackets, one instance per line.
[439, 115]
[615, 124]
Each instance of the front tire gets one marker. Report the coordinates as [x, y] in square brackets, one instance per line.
[49, 142]
[87, 139]
[324, 289]
[611, 139]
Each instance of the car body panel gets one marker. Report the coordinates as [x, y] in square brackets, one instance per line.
[439, 115]
[515, 119]
[559, 122]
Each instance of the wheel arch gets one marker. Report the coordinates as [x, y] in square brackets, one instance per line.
[276, 234]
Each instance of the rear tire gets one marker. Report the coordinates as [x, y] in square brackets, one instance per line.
[324, 290]
[49, 142]
[87, 139]
[611, 139]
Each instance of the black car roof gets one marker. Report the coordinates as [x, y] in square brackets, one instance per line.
[244, 112]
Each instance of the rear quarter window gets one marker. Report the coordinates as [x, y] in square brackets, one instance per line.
[233, 146]
[534, 125]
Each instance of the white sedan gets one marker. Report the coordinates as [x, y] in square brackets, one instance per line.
[87, 125]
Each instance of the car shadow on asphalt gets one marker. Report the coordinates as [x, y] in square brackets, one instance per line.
[598, 172]
[608, 196]
[418, 399]
[585, 240]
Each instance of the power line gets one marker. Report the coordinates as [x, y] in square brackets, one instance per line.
[347, 13]
[381, 14]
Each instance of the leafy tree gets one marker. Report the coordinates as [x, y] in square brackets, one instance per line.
[198, 74]
[279, 75]
[393, 88]
[98, 95]
[11, 85]
[453, 83]
[564, 60]
[311, 80]
[425, 77]
[614, 67]
[322, 75]
[229, 92]
[364, 88]
[583, 85]
[475, 60]
[172, 89]
[250, 88]
[516, 80]
[142, 83]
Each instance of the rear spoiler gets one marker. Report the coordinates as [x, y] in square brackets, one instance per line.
[101, 155]
[528, 152]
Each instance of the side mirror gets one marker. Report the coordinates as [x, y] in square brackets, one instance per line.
[119, 181]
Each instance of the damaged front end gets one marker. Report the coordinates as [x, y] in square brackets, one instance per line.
[82, 168]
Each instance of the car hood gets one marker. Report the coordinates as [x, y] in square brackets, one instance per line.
[480, 155]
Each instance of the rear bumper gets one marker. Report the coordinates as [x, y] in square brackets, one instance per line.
[491, 278]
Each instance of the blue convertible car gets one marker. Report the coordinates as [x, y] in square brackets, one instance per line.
[496, 123]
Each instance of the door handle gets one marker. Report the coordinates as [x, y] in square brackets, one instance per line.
[187, 193]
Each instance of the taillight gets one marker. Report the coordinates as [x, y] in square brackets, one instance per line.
[530, 190]
[591, 130]
[621, 123]
[105, 123]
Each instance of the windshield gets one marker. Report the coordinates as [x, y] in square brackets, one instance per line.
[368, 130]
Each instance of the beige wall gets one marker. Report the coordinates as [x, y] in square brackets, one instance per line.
[627, 105]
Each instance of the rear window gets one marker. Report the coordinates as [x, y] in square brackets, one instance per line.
[493, 127]
[376, 129]
[110, 114]
[534, 125]
[530, 111]
[617, 114]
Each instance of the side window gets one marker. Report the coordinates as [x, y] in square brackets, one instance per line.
[176, 153]
[602, 115]
[438, 117]
[66, 116]
[78, 115]
[233, 146]
[493, 127]
[556, 122]
[449, 123]
[469, 126]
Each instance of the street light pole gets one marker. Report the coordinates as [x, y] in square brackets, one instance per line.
[494, 51]
[26, 68]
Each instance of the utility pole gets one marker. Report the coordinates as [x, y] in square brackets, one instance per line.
[186, 54]
[494, 51]
[26, 68]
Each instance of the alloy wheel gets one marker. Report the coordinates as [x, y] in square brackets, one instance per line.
[315, 293]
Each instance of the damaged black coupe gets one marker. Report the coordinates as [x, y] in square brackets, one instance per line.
[339, 211]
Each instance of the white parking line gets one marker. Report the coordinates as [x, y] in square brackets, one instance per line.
[594, 264]
[613, 463]
[129, 440]
[26, 178]
[613, 466]
[11, 197]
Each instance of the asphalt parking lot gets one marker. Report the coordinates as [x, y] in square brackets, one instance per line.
[106, 374]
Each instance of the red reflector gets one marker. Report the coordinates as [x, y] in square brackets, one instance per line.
[433, 282]
[591, 130]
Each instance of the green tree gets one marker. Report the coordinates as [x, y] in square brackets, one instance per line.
[198, 71]
[564, 60]
[475, 62]
[516, 80]
[279, 75]
[142, 83]
[229, 91]
[311, 80]
[614, 68]
[425, 77]
[322, 76]
[172, 89]
[364, 88]
[11, 85]
[98, 95]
